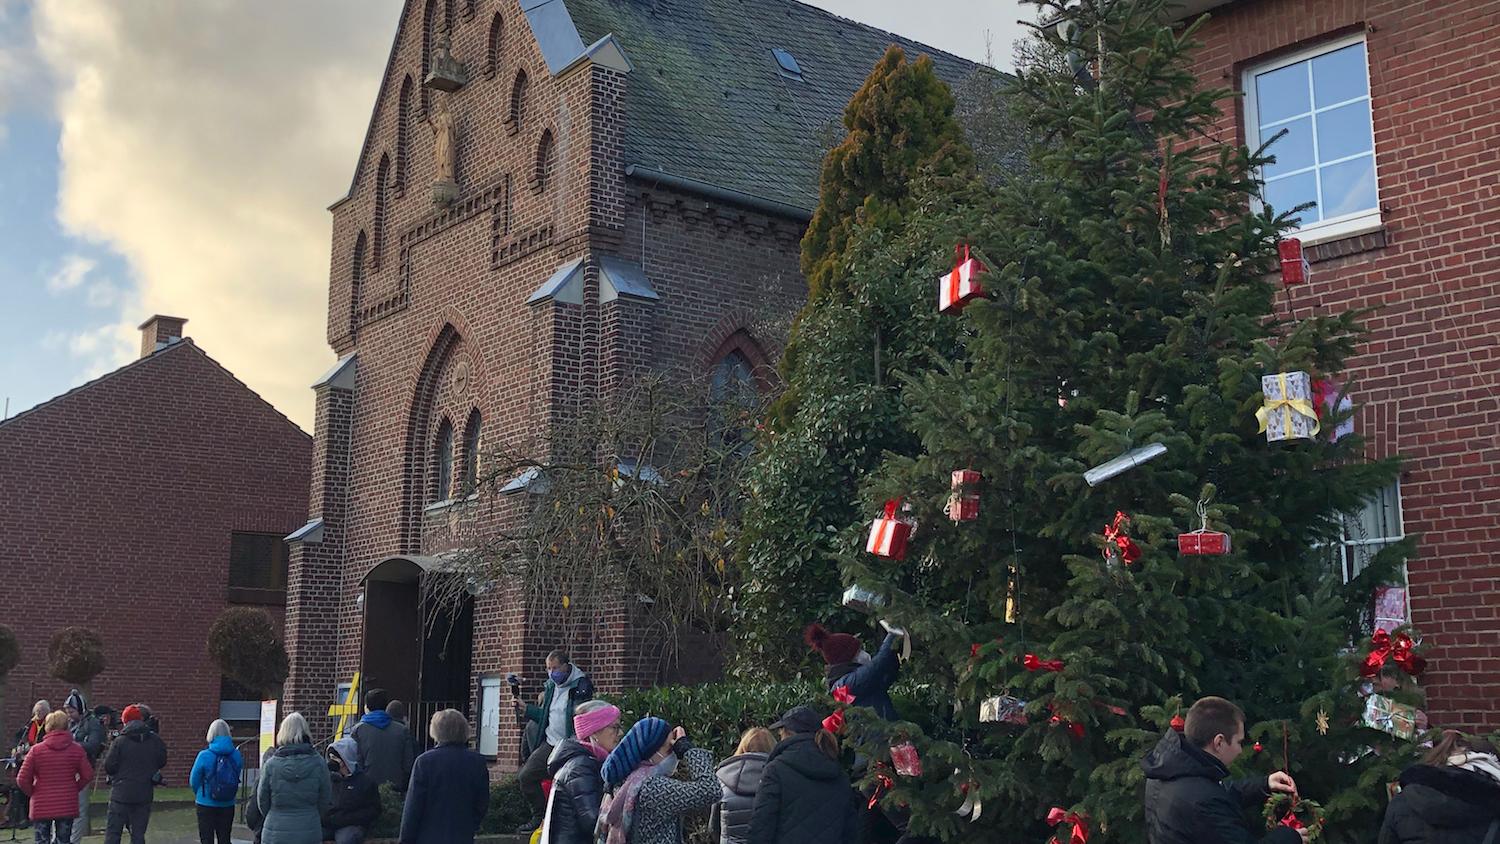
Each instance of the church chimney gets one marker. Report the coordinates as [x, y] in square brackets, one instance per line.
[160, 331]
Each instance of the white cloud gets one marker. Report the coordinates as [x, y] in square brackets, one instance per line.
[203, 143]
[74, 269]
[103, 294]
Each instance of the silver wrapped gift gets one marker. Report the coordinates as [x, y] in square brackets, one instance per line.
[857, 597]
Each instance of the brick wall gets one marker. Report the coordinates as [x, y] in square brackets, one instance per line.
[1427, 384]
[120, 498]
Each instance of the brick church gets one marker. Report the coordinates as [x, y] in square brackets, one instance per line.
[551, 197]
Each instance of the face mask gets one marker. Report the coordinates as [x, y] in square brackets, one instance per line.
[333, 765]
[668, 766]
[559, 676]
[862, 658]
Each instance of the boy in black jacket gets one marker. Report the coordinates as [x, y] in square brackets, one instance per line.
[356, 797]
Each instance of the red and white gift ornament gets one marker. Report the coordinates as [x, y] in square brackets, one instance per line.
[1203, 542]
[963, 500]
[961, 285]
[906, 760]
[1294, 266]
[889, 533]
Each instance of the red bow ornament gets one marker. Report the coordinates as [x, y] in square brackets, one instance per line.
[835, 722]
[1073, 727]
[1116, 544]
[888, 534]
[1398, 649]
[883, 783]
[1033, 664]
[1079, 823]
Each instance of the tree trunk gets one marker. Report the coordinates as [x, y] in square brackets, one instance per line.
[4, 736]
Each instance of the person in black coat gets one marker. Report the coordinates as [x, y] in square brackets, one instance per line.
[1186, 802]
[804, 795]
[133, 763]
[449, 791]
[573, 767]
[1451, 797]
[356, 797]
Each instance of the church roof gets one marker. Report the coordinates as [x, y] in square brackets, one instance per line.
[712, 97]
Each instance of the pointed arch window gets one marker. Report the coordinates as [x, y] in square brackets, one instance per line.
[492, 52]
[546, 162]
[382, 186]
[518, 92]
[357, 280]
[403, 132]
[734, 389]
[442, 460]
[471, 451]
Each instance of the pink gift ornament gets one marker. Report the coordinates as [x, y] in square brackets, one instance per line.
[1391, 608]
[960, 286]
[963, 497]
[905, 759]
[1329, 401]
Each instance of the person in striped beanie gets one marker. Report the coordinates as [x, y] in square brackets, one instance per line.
[647, 803]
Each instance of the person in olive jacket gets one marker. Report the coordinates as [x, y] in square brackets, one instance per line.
[804, 795]
[132, 763]
[1451, 797]
[56, 770]
[294, 789]
[1186, 803]
[356, 797]
[577, 785]
[450, 787]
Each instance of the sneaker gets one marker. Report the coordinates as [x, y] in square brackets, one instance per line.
[528, 827]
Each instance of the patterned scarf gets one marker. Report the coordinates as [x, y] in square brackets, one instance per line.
[618, 811]
[1479, 763]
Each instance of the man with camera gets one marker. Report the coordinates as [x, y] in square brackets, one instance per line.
[566, 687]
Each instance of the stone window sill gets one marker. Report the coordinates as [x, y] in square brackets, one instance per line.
[1342, 247]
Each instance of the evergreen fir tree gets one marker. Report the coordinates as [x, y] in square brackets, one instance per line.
[1121, 315]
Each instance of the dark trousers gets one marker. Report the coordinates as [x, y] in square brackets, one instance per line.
[215, 822]
[53, 832]
[134, 815]
[531, 775]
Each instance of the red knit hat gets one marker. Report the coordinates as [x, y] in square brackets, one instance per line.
[131, 713]
[834, 647]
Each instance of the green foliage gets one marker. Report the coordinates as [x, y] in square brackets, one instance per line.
[508, 807]
[10, 650]
[76, 655]
[245, 646]
[388, 825]
[715, 714]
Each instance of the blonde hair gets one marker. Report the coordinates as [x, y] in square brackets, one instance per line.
[293, 731]
[755, 740]
[219, 727]
[448, 727]
[55, 721]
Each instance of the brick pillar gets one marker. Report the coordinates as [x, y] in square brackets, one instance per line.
[315, 573]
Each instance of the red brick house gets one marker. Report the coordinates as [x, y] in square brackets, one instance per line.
[1393, 115]
[551, 196]
[141, 504]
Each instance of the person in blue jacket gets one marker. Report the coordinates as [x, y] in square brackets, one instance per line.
[450, 787]
[210, 781]
[848, 664]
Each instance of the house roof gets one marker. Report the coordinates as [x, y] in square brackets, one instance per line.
[708, 101]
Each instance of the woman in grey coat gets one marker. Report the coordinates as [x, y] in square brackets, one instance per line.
[294, 789]
[740, 777]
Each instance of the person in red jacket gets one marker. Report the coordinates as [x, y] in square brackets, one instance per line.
[53, 774]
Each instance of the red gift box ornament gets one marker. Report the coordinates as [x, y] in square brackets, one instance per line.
[961, 285]
[1079, 823]
[1294, 266]
[963, 500]
[1398, 649]
[888, 534]
[1117, 546]
[905, 759]
[1203, 541]
[1032, 663]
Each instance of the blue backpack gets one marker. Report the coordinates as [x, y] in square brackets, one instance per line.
[223, 780]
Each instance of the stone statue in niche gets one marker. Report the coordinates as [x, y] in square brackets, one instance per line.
[444, 151]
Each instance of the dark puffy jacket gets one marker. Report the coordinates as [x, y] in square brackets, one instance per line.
[449, 794]
[870, 683]
[804, 798]
[577, 790]
[1187, 804]
[132, 762]
[356, 802]
[740, 778]
[89, 734]
[385, 751]
[1442, 805]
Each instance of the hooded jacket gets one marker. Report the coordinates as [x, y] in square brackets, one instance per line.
[578, 687]
[55, 770]
[869, 683]
[203, 770]
[579, 788]
[132, 762]
[356, 797]
[1186, 802]
[293, 793]
[1442, 805]
[804, 798]
[89, 733]
[740, 778]
[386, 752]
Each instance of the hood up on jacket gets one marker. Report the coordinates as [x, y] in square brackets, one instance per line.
[1448, 797]
[1175, 758]
[348, 750]
[741, 774]
[135, 730]
[222, 745]
[801, 754]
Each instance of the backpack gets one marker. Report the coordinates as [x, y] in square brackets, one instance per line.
[223, 780]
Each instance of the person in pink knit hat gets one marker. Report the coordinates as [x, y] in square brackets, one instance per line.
[573, 767]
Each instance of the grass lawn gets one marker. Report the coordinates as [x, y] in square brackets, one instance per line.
[169, 825]
[163, 795]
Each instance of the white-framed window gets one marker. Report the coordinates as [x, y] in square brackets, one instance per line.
[1376, 525]
[489, 715]
[1321, 98]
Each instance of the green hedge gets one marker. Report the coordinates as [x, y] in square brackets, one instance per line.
[715, 714]
[508, 809]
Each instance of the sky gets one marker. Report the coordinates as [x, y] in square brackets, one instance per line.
[178, 157]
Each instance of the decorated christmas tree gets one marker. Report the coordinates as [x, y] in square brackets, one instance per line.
[1127, 479]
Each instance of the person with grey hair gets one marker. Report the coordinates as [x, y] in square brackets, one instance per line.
[449, 791]
[17, 811]
[89, 734]
[294, 789]
[215, 780]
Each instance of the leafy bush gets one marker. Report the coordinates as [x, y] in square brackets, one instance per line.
[388, 825]
[715, 714]
[508, 809]
[246, 646]
[76, 655]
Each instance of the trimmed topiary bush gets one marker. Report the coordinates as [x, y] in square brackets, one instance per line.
[244, 643]
[76, 655]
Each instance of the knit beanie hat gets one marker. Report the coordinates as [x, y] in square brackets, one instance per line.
[132, 713]
[835, 647]
[587, 723]
[638, 745]
[75, 700]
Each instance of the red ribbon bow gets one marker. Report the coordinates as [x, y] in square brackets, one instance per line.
[843, 695]
[1080, 824]
[1072, 726]
[891, 506]
[1033, 664]
[883, 784]
[1291, 820]
[1115, 533]
[835, 722]
[1398, 649]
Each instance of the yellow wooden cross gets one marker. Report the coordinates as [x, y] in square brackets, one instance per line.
[350, 706]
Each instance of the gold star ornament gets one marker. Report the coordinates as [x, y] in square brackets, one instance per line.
[1322, 722]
